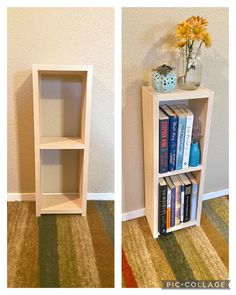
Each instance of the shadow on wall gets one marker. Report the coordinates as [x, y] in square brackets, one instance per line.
[101, 151]
[25, 131]
[163, 51]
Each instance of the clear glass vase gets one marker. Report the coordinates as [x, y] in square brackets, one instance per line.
[189, 69]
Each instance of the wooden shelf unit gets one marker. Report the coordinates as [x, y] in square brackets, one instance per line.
[200, 101]
[62, 106]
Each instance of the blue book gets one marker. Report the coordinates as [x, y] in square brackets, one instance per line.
[193, 200]
[180, 137]
[163, 141]
[173, 124]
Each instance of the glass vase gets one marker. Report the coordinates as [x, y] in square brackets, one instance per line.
[189, 68]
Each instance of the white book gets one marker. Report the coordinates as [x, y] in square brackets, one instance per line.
[194, 196]
[188, 134]
[182, 200]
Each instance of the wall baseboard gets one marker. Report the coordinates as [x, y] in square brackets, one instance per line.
[214, 195]
[141, 212]
[31, 197]
[133, 214]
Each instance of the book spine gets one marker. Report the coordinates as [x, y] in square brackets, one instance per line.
[172, 210]
[168, 208]
[180, 142]
[162, 210]
[177, 205]
[182, 204]
[163, 145]
[194, 201]
[187, 140]
[187, 196]
[172, 142]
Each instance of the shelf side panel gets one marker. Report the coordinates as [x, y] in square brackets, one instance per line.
[36, 85]
[148, 110]
[85, 133]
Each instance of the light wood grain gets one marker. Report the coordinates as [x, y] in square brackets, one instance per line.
[60, 204]
[61, 143]
[63, 204]
[185, 170]
[181, 226]
[150, 159]
[200, 101]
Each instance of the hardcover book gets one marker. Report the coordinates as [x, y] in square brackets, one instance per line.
[172, 205]
[162, 205]
[173, 123]
[168, 209]
[194, 194]
[187, 196]
[176, 182]
[180, 137]
[163, 141]
[188, 134]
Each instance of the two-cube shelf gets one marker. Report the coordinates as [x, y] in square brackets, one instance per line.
[62, 104]
[200, 102]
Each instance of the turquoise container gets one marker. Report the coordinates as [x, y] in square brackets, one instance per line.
[194, 158]
[164, 79]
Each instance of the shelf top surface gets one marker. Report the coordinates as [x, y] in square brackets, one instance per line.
[62, 68]
[181, 171]
[60, 203]
[61, 143]
[201, 92]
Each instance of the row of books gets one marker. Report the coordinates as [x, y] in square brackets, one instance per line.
[177, 200]
[175, 133]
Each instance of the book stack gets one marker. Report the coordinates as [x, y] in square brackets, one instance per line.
[177, 200]
[175, 134]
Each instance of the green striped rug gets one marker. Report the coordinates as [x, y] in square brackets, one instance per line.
[196, 253]
[61, 250]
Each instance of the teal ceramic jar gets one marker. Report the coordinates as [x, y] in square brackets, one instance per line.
[164, 79]
[194, 158]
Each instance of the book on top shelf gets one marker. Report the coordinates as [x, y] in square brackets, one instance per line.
[180, 136]
[164, 141]
[188, 134]
[173, 122]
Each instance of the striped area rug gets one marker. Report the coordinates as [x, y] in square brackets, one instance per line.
[196, 253]
[65, 251]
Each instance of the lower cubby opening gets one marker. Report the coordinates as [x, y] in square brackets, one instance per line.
[62, 180]
[172, 183]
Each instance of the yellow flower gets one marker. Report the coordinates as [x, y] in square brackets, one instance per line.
[182, 30]
[197, 30]
[203, 21]
[207, 40]
[181, 43]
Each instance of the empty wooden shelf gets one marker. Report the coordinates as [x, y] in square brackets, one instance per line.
[62, 106]
[200, 102]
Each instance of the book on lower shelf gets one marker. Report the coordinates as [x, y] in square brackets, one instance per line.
[178, 196]
[162, 205]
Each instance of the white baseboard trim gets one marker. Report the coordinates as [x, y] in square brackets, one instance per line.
[133, 214]
[141, 212]
[31, 197]
[214, 195]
